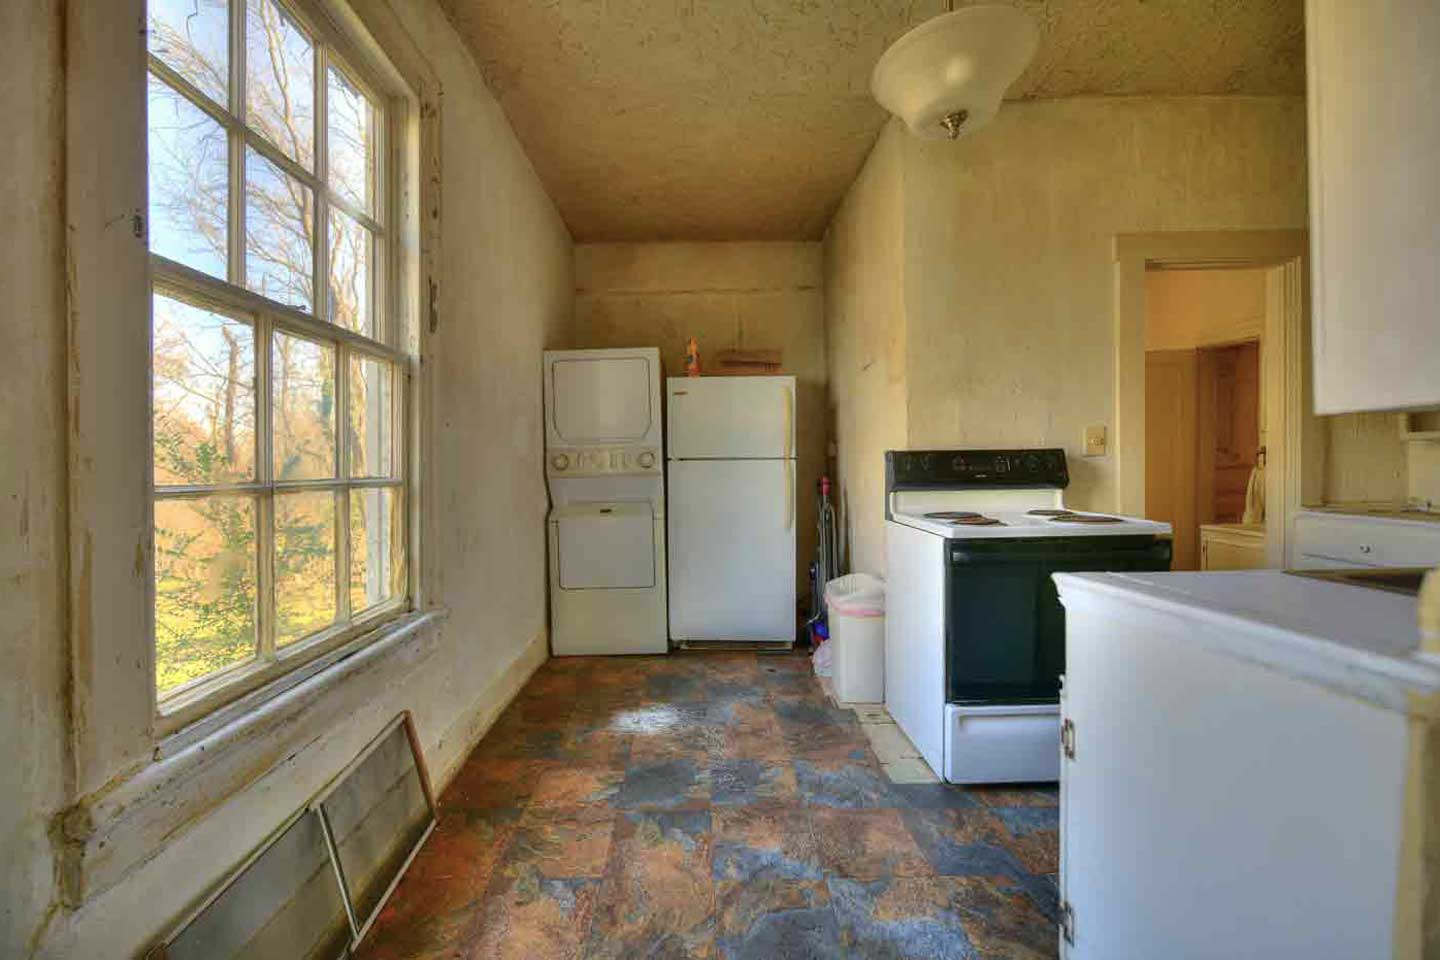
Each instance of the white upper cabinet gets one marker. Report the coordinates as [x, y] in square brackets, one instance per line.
[1374, 124]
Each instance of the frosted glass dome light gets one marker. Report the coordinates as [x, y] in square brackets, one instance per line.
[947, 76]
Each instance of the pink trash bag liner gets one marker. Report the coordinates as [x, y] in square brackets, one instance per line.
[856, 595]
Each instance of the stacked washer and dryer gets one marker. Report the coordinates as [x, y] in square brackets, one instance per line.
[732, 480]
[604, 466]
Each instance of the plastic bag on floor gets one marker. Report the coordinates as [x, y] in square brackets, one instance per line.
[821, 659]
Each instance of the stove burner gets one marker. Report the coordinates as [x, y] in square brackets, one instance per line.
[976, 521]
[1083, 518]
[1048, 513]
[963, 518]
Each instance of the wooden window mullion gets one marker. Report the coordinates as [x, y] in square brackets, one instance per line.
[265, 472]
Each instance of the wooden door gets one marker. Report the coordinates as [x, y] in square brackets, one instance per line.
[1228, 391]
[1170, 448]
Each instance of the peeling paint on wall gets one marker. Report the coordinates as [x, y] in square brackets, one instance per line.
[33, 471]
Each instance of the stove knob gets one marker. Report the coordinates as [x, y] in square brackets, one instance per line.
[1031, 463]
[560, 462]
[646, 460]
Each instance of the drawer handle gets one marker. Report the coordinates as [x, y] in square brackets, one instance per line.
[1365, 549]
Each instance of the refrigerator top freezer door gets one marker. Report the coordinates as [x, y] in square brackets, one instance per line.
[605, 546]
[731, 418]
[602, 397]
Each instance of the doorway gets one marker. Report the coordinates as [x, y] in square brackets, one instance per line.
[1203, 339]
[1267, 345]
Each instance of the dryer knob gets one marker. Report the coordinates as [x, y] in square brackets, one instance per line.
[646, 460]
[560, 462]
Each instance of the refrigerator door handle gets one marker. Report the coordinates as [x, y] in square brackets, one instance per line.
[789, 495]
[789, 399]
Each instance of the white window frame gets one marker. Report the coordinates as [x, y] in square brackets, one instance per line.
[115, 732]
[193, 700]
[132, 783]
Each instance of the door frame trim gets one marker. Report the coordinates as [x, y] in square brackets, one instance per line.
[1283, 370]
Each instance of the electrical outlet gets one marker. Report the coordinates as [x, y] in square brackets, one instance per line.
[1095, 440]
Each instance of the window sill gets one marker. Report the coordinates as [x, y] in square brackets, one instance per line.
[196, 769]
[180, 727]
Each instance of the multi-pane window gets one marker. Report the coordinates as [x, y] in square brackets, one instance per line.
[278, 382]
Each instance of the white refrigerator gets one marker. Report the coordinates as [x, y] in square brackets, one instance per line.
[731, 477]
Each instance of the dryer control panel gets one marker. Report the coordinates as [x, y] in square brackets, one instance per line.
[600, 462]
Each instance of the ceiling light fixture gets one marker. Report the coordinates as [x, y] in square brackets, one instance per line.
[947, 76]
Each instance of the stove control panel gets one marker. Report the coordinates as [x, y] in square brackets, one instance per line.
[963, 469]
[595, 462]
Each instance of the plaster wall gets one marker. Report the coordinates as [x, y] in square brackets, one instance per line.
[1185, 309]
[32, 470]
[506, 288]
[1009, 289]
[865, 335]
[726, 296]
[1365, 459]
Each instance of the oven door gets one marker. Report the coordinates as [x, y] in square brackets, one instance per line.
[1004, 625]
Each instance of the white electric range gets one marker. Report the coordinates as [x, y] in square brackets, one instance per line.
[974, 632]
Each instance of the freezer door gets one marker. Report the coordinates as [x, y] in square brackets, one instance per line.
[731, 417]
[732, 550]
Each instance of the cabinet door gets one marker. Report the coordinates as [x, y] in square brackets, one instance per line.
[1374, 127]
[1209, 802]
[1218, 552]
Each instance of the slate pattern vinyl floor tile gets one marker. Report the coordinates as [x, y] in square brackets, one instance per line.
[714, 806]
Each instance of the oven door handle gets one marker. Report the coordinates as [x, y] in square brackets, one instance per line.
[1154, 551]
[963, 557]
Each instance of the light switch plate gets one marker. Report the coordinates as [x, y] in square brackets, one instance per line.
[1095, 440]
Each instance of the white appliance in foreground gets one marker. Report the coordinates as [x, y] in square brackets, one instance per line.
[604, 467]
[1253, 770]
[974, 633]
[732, 509]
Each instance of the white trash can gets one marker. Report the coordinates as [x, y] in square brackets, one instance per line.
[856, 605]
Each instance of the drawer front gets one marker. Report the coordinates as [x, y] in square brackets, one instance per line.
[1373, 543]
[1309, 561]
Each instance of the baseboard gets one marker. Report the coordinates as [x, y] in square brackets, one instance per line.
[455, 745]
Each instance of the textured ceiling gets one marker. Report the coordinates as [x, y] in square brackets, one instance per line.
[748, 119]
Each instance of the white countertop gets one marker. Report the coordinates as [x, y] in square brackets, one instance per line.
[1358, 641]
